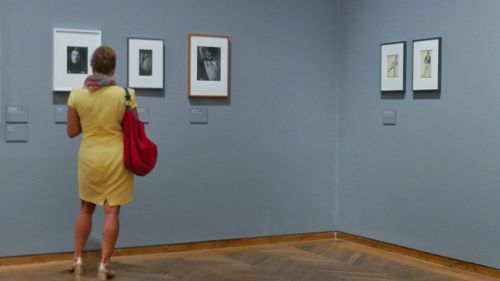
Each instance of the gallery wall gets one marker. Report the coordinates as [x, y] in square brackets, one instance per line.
[430, 182]
[263, 165]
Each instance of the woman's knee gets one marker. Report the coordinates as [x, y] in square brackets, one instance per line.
[111, 211]
[87, 207]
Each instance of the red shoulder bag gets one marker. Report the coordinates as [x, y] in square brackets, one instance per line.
[140, 152]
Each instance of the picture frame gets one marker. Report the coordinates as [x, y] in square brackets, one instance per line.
[427, 65]
[72, 51]
[393, 67]
[145, 63]
[208, 66]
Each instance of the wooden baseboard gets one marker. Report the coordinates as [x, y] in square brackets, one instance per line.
[181, 247]
[194, 246]
[421, 255]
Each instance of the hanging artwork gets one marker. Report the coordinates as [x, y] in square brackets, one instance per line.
[73, 49]
[392, 67]
[208, 66]
[145, 63]
[427, 64]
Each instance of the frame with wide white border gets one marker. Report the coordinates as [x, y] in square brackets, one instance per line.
[432, 84]
[91, 39]
[389, 84]
[208, 89]
[156, 80]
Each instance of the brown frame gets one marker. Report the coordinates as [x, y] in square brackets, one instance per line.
[190, 35]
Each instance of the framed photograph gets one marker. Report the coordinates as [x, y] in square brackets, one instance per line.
[145, 65]
[427, 65]
[208, 65]
[73, 49]
[392, 67]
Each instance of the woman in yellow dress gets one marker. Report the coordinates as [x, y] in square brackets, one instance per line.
[96, 110]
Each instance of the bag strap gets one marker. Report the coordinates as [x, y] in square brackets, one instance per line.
[128, 100]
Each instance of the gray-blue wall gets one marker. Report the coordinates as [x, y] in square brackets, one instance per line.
[299, 147]
[264, 165]
[431, 182]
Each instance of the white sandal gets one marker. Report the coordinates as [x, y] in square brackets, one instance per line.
[104, 272]
[76, 266]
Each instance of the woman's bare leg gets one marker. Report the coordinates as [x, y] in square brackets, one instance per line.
[83, 226]
[111, 230]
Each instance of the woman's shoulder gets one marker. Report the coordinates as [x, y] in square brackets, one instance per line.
[76, 95]
[77, 92]
[118, 92]
[120, 89]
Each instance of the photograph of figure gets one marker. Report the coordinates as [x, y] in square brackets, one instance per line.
[392, 66]
[145, 62]
[425, 64]
[208, 64]
[77, 60]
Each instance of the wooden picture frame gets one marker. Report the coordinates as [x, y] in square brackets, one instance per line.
[208, 66]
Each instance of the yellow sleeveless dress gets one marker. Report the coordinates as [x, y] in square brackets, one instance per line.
[102, 175]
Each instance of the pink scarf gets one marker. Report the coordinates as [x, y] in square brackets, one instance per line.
[97, 81]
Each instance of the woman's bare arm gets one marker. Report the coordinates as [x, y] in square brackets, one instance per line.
[74, 127]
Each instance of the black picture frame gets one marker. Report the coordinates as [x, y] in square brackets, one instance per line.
[427, 76]
[393, 84]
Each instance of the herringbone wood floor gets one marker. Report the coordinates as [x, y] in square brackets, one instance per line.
[321, 260]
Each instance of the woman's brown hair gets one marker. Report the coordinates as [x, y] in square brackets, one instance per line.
[103, 60]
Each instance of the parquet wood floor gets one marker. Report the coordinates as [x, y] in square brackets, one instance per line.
[320, 260]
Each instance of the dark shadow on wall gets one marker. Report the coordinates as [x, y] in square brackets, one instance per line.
[210, 101]
[392, 96]
[61, 98]
[431, 95]
[150, 93]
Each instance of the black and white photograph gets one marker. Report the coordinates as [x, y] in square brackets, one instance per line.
[392, 67]
[145, 62]
[146, 66]
[427, 64]
[72, 50]
[208, 65]
[77, 60]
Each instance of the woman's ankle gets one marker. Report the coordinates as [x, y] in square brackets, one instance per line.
[77, 254]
